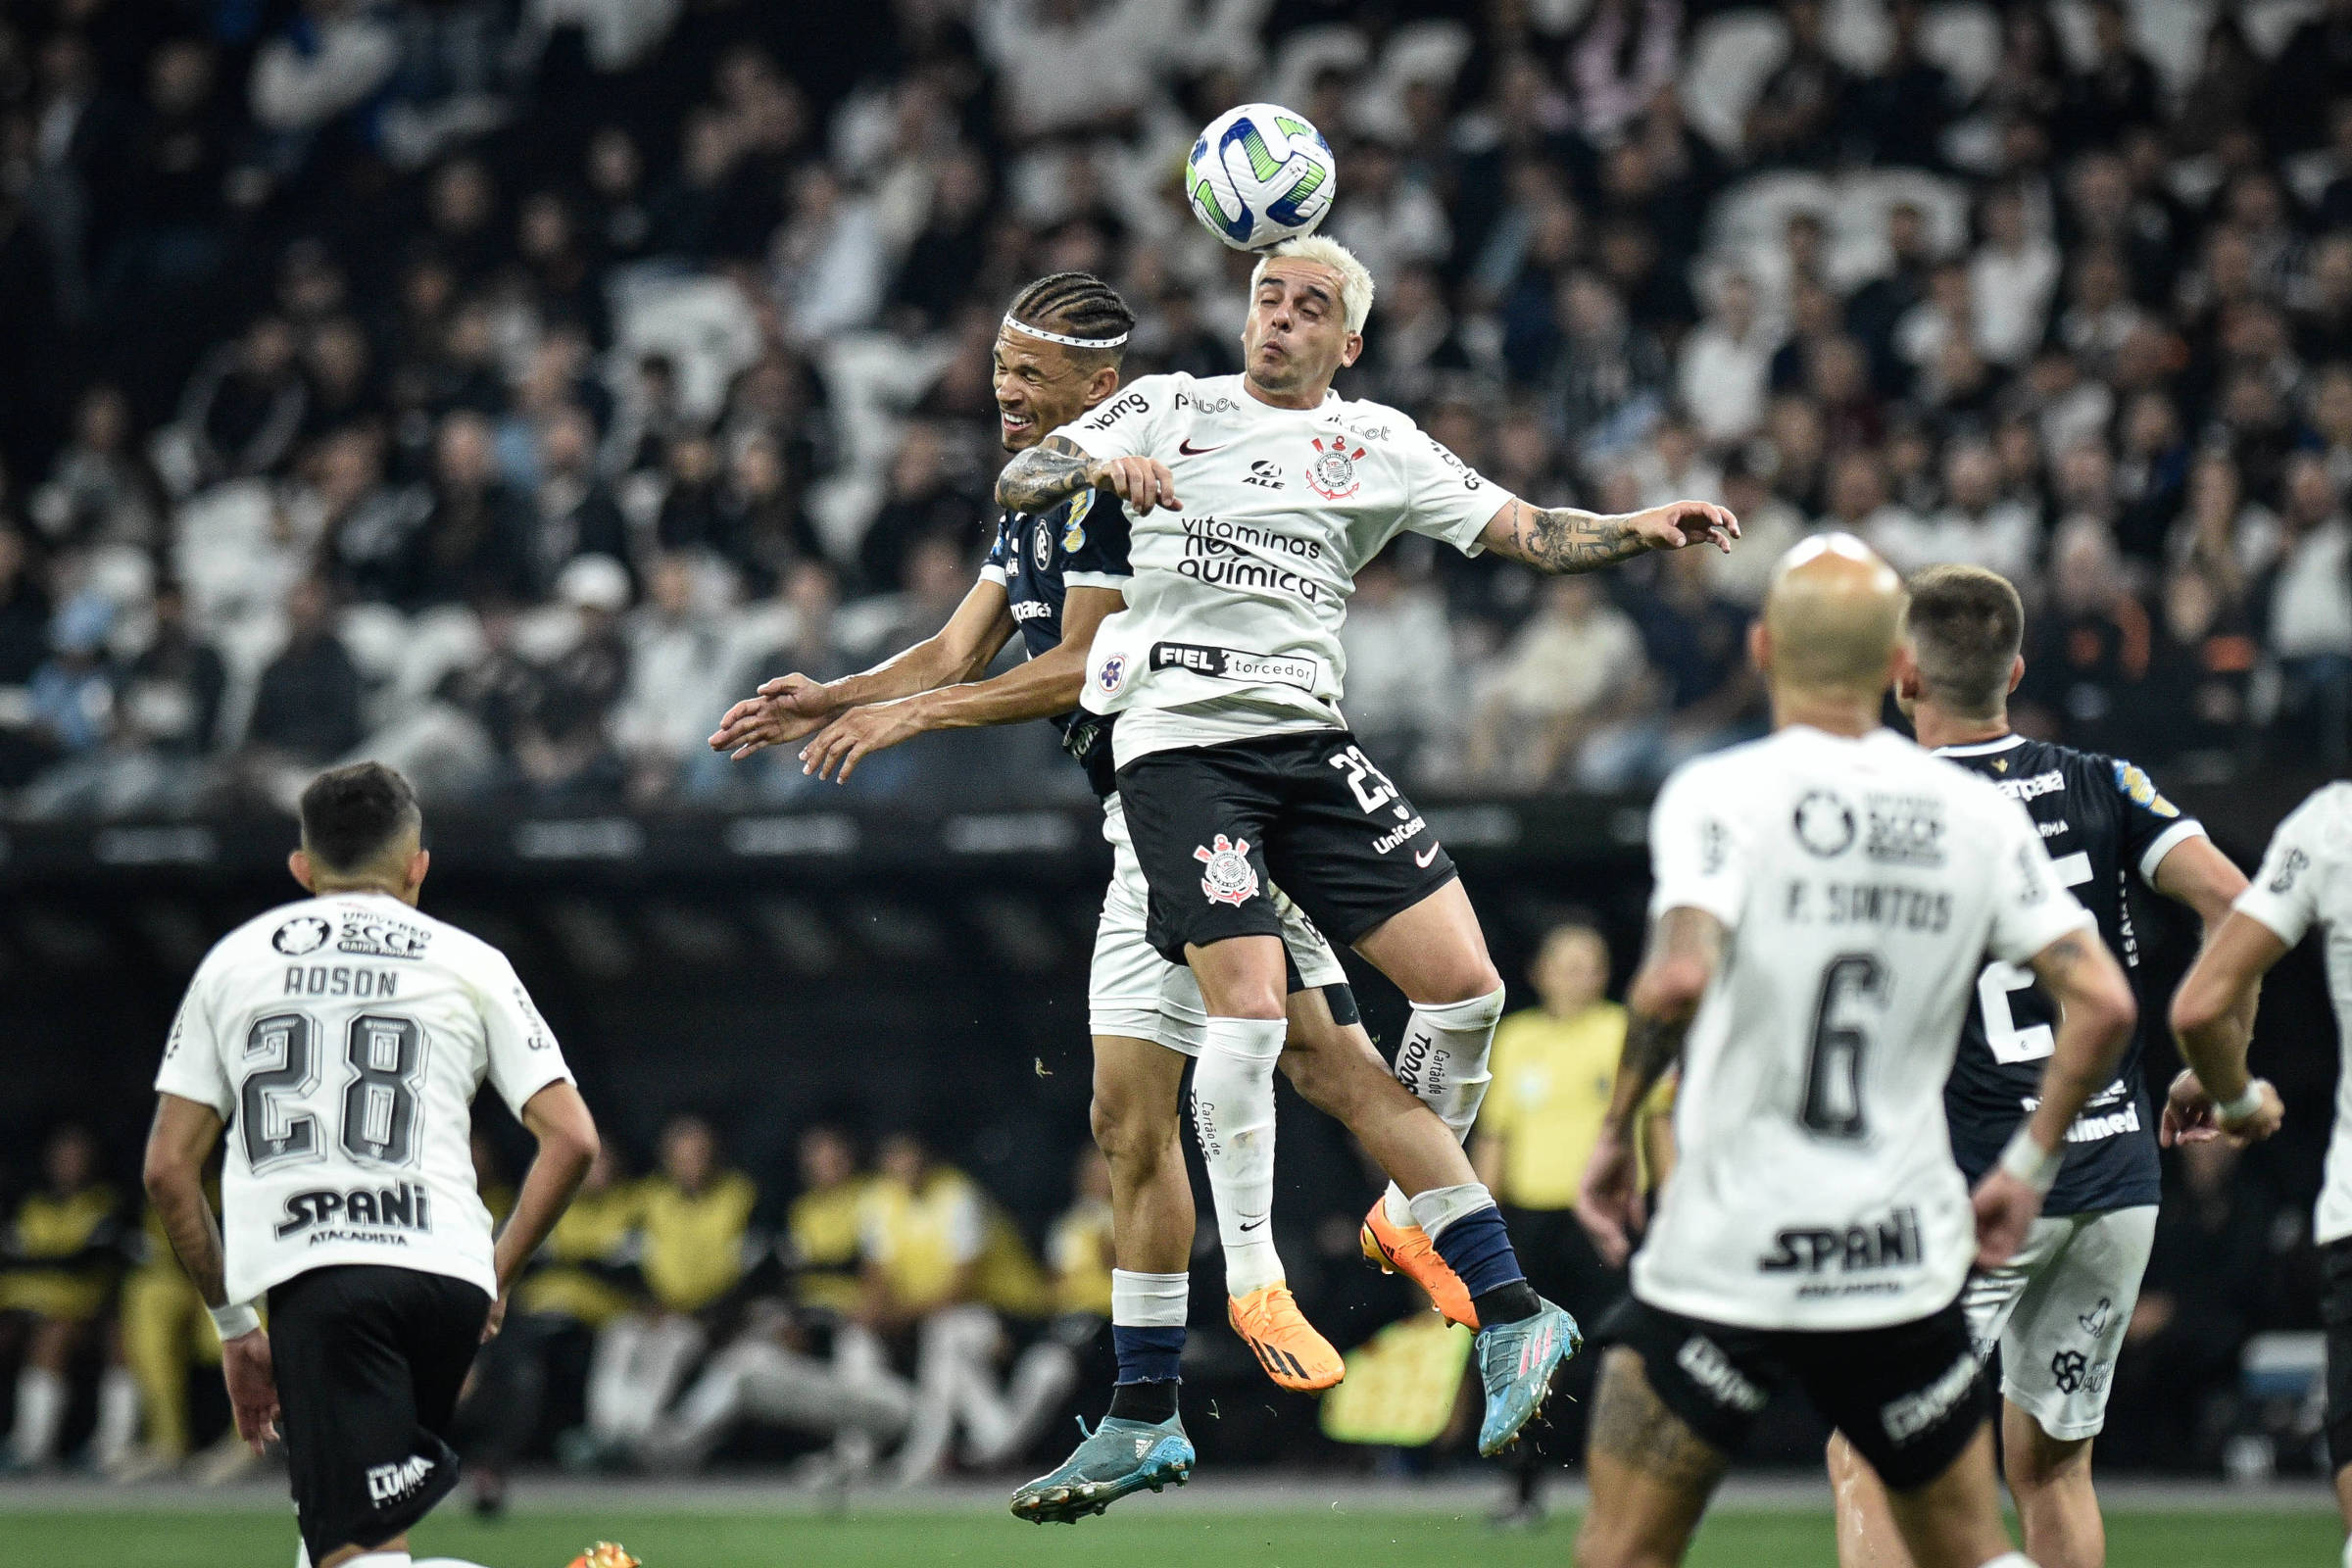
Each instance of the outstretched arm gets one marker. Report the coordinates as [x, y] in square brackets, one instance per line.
[1564, 540]
[1685, 947]
[790, 707]
[1057, 468]
[1038, 688]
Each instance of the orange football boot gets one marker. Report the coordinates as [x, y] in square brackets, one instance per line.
[603, 1555]
[1285, 1345]
[1392, 1248]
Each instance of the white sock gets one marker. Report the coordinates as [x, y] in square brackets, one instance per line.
[434, 1562]
[1150, 1300]
[1443, 1061]
[41, 1405]
[379, 1559]
[1440, 1206]
[1233, 1112]
[2011, 1559]
[117, 1415]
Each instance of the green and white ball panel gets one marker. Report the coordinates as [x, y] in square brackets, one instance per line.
[1261, 174]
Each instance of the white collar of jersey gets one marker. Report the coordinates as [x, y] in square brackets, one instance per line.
[1981, 747]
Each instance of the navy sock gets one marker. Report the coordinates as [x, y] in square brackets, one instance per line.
[1148, 1355]
[1477, 1247]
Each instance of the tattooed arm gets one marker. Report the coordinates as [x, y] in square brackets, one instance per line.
[1685, 947]
[1057, 468]
[1564, 540]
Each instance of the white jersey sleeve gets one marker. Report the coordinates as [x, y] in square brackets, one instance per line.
[2285, 894]
[2031, 906]
[522, 1052]
[193, 1067]
[1696, 851]
[1130, 424]
[1445, 497]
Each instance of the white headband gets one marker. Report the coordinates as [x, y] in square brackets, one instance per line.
[1056, 337]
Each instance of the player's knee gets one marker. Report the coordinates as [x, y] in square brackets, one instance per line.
[1129, 1136]
[2042, 1462]
[1472, 977]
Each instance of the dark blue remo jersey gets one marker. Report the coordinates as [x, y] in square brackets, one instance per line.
[2103, 822]
[1039, 558]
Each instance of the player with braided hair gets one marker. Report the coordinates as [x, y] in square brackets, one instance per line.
[1054, 575]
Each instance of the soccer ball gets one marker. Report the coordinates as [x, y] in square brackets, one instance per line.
[1261, 174]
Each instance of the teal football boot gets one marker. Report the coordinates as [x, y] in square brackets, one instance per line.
[1117, 1457]
[1515, 1363]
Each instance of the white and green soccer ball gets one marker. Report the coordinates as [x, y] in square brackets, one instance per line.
[1261, 174]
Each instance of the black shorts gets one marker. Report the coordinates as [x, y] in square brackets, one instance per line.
[368, 1362]
[1910, 1397]
[2336, 1316]
[1214, 824]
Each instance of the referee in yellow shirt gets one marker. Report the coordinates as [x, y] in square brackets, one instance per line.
[1554, 1066]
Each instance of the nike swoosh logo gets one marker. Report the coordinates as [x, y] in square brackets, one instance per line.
[1188, 450]
[1422, 861]
[1253, 1224]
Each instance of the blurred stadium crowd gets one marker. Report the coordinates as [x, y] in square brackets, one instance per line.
[498, 386]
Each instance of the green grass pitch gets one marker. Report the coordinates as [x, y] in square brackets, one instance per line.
[138, 1539]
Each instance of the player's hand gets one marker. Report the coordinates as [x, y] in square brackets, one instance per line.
[2187, 1113]
[860, 733]
[2261, 1124]
[1608, 1204]
[2006, 1210]
[496, 1320]
[785, 709]
[252, 1388]
[1686, 522]
[1142, 482]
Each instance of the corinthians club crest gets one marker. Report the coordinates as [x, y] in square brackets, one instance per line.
[1332, 473]
[1227, 876]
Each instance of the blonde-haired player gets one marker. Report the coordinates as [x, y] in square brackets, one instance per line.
[1237, 771]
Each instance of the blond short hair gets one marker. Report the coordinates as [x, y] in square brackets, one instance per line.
[1355, 278]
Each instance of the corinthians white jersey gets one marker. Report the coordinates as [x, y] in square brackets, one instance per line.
[1863, 884]
[342, 1039]
[2306, 880]
[1232, 626]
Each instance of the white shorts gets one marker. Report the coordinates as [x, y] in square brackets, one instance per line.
[2058, 1311]
[1134, 992]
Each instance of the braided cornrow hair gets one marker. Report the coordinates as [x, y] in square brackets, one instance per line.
[1075, 304]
